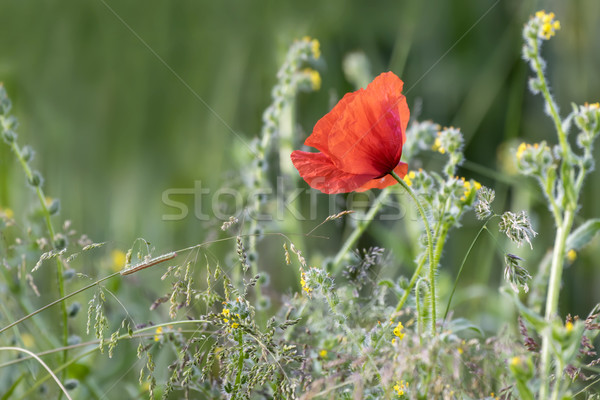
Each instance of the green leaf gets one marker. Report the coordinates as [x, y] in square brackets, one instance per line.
[461, 324]
[583, 235]
[536, 320]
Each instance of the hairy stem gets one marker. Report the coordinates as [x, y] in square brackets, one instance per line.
[556, 269]
[432, 265]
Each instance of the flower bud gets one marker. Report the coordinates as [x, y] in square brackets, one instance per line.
[60, 242]
[27, 153]
[73, 309]
[71, 384]
[54, 207]
[9, 136]
[69, 274]
[36, 179]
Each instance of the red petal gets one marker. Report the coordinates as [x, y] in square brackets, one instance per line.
[388, 180]
[369, 134]
[319, 139]
[320, 173]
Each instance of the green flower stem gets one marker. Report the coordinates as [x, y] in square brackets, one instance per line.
[432, 265]
[564, 224]
[556, 269]
[439, 246]
[59, 265]
[411, 284]
[358, 232]
[238, 378]
[562, 136]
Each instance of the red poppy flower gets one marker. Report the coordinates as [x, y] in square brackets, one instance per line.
[360, 140]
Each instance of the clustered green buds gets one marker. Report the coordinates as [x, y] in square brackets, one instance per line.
[540, 27]
[423, 136]
[450, 141]
[534, 159]
[317, 280]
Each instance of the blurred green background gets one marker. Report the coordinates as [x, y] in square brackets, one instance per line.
[123, 100]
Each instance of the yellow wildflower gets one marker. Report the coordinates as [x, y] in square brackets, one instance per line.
[118, 260]
[398, 331]
[409, 177]
[571, 255]
[235, 325]
[315, 78]
[437, 145]
[303, 283]
[520, 150]
[569, 326]
[158, 332]
[400, 388]
[323, 353]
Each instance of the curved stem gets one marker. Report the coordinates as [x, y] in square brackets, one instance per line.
[461, 267]
[43, 364]
[432, 266]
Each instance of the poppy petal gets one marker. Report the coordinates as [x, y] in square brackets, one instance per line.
[368, 137]
[388, 180]
[319, 137]
[321, 173]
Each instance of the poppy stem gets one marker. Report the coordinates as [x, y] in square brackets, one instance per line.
[432, 266]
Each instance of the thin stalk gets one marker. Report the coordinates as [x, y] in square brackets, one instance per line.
[562, 136]
[238, 378]
[556, 269]
[461, 267]
[60, 300]
[432, 266]
[51, 233]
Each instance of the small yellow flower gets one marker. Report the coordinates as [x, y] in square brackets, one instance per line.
[303, 283]
[409, 177]
[549, 25]
[158, 332]
[323, 353]
[315, 78]
[520, 150]
[571, 255]
[118, 259]
[515, 360]
[235, 325]
[398, 331]
[316, 48]
[437, 145]
[400, 388]
[225, 312]
[569, 326]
